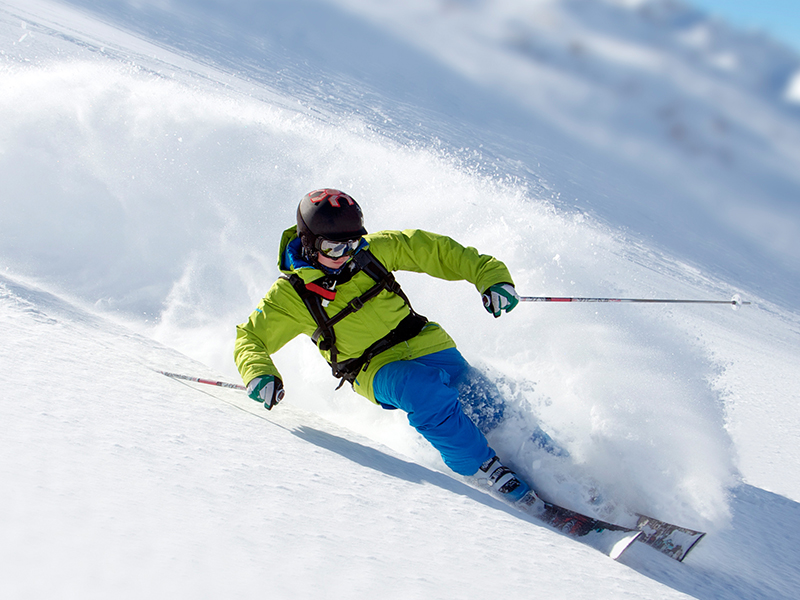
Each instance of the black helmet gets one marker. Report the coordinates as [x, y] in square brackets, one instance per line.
[328, 214]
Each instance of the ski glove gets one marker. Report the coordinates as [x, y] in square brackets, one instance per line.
[267, 389]
[501, 297]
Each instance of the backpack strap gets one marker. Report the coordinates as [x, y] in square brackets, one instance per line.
[313, 301]
[325, 336]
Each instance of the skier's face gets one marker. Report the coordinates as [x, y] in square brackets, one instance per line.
[333, 263]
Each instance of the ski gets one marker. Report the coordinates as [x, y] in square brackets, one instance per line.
[671, 540]
[608, 538]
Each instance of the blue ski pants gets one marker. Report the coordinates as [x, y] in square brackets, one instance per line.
[427, 389]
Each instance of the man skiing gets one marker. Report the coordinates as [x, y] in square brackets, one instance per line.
[337, 287]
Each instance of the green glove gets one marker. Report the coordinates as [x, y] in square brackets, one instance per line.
[501, 297]
[267, 389]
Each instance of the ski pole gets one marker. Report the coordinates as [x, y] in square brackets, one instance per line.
[735, 301]
[199, 380]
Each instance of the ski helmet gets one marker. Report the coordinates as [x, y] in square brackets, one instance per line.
[328, 214]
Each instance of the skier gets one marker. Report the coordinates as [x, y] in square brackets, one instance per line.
[337, 287]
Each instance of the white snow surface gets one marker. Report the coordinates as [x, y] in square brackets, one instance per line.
[151, 153]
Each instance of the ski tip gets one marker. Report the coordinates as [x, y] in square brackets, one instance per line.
[691, 546]
[623, 544]
[671, 540]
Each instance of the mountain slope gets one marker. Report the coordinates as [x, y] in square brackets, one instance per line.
[126, 482]
[666, 122]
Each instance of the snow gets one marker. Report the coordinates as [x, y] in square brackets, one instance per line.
[793, 89]
[152, 152]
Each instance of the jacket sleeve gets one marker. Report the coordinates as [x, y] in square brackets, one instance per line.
[278, 319]
[439, 256]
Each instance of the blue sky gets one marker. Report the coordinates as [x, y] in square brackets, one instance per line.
[779, 18]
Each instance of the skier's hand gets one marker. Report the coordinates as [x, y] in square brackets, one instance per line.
[501, 297]
[267, 389]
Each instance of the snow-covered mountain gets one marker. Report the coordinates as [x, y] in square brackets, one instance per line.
[151, 152]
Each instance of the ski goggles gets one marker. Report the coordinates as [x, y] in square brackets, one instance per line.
[333, 249]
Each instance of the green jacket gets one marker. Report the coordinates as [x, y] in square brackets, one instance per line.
[281, 316]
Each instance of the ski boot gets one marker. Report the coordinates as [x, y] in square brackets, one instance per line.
[502, 481]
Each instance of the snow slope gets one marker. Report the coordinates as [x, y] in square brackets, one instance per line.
[151, 154]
